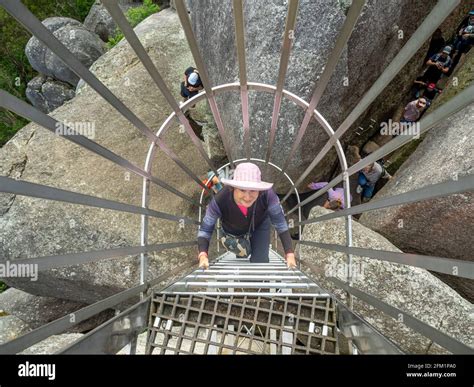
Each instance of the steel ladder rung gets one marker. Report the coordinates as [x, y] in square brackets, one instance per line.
[247, 271]
[248, 276]
[228, 275]
[294, 285]
[253, 294]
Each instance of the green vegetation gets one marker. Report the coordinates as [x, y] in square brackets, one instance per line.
[3, 287]
[15, 71]
[134, 16]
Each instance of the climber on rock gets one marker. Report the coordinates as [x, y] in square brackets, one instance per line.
[438, 65]
[429, 91]
[190, 87]
[192, 83]
[465, 37]
[413, 110]
[335, 200]
[247, 207]
[368, 178]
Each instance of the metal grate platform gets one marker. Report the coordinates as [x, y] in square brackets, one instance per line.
[202, 324]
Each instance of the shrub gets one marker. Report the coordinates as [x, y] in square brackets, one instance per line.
[15, 71]
[3, 287]
[134, 16]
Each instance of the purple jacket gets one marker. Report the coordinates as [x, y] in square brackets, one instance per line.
[234, 222]
[333, 194]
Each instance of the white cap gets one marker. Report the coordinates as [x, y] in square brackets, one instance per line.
[193, 79]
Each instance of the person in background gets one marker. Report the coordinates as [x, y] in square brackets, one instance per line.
[413, 110]
[192, 83]
[190, 87]
[467, 21]
[438, 65]
[465, 41]
[464, 29]
[335, 199]
[212, 182]
[368, 177]
[437, 43]
[246, 204]
[429, 91]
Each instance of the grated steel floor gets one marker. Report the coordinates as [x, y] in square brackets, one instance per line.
[204, 324]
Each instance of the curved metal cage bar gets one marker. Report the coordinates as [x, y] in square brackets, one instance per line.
[235, 87]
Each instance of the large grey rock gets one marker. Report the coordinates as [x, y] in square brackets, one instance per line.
[56, 22]
[32, 227]
[213, 141]
[34, 95]
[37, 311]
[83, 44]
[370, 49]
[413, 290]
[52, 344]
[56, 93]
[35, 51]
[48, 94]
[11, 327]
[443, 226]
[99, 21]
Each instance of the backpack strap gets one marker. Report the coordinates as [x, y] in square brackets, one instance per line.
[252, 221]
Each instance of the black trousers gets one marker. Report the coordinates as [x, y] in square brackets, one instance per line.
[260, 241]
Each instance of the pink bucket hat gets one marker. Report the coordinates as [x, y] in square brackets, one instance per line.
[247, 176]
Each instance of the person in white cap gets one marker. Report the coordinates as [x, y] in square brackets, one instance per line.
[247, 206]
[192, 83]
[191, 86]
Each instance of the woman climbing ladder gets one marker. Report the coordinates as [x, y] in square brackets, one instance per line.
[246, 206]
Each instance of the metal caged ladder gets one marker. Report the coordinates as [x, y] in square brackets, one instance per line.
[228, 275]
[234, 306]
[243, 308]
